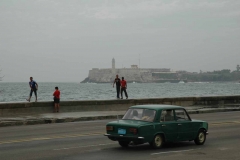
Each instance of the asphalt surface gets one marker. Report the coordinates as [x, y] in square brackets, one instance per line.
[17, 119]
[85, 140]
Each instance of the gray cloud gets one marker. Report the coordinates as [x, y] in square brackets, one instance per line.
[58, 40]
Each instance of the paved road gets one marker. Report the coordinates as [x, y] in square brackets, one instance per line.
[85, 140]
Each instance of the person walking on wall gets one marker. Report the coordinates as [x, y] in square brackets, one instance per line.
[124, 88]
[118, 84]
[34, 87]
[56, 99]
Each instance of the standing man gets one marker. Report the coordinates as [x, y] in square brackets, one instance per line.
[34, 86]
[56, 98]
[123, 88]
[118, 84]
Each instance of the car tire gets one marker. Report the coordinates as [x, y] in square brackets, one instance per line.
[124, 144]
[157, 141]
[201, 137]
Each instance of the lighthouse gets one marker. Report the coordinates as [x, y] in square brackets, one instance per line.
[113, 66]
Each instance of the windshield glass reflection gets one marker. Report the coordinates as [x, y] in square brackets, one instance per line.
[140, 114]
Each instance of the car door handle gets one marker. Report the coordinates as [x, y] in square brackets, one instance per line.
[179, 124]
[163, 125]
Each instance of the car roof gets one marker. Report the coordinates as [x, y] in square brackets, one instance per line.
[157, 106]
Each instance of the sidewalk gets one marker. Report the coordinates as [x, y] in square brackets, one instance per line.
[88, 116]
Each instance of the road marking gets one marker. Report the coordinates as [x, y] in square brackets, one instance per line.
[222, 123]
[174, 151]
[94, 145]
[223, 149]
[50, 137]
[88, 134]
[102, 127]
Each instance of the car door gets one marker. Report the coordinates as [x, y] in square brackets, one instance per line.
[185, 128]
[169, 126]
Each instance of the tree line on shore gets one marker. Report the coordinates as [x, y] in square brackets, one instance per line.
[222, 75]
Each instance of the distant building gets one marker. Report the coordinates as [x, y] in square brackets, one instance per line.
[134, 66]
[133, 74]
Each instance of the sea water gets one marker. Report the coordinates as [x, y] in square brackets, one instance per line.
[17, 92]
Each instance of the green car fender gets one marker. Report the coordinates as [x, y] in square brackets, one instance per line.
[159, 133]
[203, 126]
[147, 131]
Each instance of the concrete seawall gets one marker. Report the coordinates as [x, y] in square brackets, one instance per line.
[113, 105]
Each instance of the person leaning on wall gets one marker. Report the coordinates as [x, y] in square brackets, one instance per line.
[56, 99]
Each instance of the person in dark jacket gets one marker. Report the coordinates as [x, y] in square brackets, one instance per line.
[118, 84]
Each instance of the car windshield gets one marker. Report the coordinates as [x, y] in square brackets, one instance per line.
[140, 114]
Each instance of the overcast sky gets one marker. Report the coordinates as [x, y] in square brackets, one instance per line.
[61, 40]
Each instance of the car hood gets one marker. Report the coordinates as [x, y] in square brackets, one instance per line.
[128, 123]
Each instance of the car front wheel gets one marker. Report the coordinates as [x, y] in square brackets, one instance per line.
[201, 138]
[157, 141]
[123, 143]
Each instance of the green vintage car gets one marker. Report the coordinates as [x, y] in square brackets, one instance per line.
[156, 124]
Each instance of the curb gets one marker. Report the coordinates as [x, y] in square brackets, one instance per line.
[69, 119]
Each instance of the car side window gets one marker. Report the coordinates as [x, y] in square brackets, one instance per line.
[167, 115]
[181, 115]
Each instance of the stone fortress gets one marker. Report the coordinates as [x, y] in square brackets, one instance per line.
[133, 74]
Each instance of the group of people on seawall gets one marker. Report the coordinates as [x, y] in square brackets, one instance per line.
[121, 86]
[34, 87]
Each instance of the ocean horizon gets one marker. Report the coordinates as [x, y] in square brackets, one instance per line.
[19, 91]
